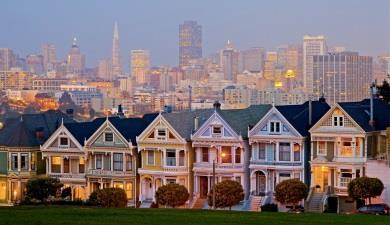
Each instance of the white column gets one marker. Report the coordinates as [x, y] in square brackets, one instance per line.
[291, 151]
[277, 151]
[112, 161]
[29, 161]
[49, 167]
[19, 162]
[354, 147]
[196, 184]
[124, 162]
[233, 153]
[62, 164]
[242, 155]
[177, 157]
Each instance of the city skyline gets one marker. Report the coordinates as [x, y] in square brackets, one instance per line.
[94, 31]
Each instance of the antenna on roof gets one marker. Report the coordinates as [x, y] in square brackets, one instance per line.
[21, 118]
[62, 121]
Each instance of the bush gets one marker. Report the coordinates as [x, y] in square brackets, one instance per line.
[172, 195]
[66, 192]
[365, 187]
[41, 188]
[108, 197]
[227, 194]
[291, 191]
[269, 208]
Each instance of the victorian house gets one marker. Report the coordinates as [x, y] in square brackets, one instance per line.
[20, 158]
[342, 142]
[279, 147]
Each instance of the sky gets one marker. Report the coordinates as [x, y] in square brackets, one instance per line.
[359, 25]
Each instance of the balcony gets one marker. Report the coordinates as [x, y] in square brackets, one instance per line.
[175, 169]
[97, 172]
[275, 163]
[207, 165]
[67, 175]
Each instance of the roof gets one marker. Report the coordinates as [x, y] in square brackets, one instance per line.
[360, 113]
[238, 119]
[21, 131]
[129, 128]
[298, 115]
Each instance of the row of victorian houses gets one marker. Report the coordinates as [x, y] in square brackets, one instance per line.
[259, 146]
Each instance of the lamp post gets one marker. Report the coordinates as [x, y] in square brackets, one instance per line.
[222, 155]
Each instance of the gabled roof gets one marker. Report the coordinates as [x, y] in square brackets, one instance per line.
[21, 131]
[128, 127]
[298, 115]
[360, 113]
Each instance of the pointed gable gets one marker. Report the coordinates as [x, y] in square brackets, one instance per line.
[215, 127]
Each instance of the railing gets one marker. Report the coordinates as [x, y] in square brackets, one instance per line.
[275, 163]
[218, 165]
[67, 176]
[175, 169]
[344, 181]
[108, 172]
[341, 190]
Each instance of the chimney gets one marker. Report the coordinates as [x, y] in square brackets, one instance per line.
[196, 123]
[310, 112]
[167, 108]
[217, 105]
[69, 113]
[120, 111]
[372, 93]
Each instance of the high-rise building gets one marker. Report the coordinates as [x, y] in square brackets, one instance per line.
[6, 59]
[140, 64]
[49, 57]
[104, 69]
[294, 63]
[34, 64]
[76, 60]
[270, 63]
[382, 68]
[116, 58]
[312, 45]
[251, 60]
[190, 42]
[342, 77]
[229, 62]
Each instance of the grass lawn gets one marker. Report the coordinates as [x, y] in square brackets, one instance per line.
[34, 215]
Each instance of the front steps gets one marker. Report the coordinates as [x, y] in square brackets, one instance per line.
[255, 203]
[199, 203]
[146, 204]
[315, 203]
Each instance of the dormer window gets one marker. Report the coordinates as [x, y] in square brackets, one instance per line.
[217, 130]
[338, 121]
[108, 137]
[64, 142]
[274, 127]
[161, 133]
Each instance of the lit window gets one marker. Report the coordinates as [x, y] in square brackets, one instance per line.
[129, 190]
[108, 137]
[55, 164]
[226, 154]
[297, 152]
[81, 165]
[118, 185]
[3, 190]
[346, 149]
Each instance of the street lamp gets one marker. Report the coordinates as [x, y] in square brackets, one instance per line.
[222, 155]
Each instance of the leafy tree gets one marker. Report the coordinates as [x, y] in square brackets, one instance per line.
[227, 194]
[40, 188]
[365, 187]
[384, 91]
[291, 191]
[108, 197]
[66, 192]
[172, 195]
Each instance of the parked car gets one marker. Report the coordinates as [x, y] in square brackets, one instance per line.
[377, 209]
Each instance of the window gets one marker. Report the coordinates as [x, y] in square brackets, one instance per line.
[284, 176]
[55, 164]
[150, 157]
[118, 185]
[205, 154]
[24, 161]
[284, 152]
[99, 161]
[274, 127]
[345, 177]
[118, 161]
[321, 148]
[226, 154]
[217, 130]
[297, 152]
[66, 165]
[161, 133]
[338, 121]
[81, 165]
[171, 157]
[129, 190]
[129, 162]
[171, 181]
[346, 149]
[238, 155]
[262, 151]
[108, 137]
[32, 161]
[14, 161]
[181, 158]
[64, 142]
[3, 190]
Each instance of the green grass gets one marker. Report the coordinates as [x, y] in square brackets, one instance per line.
[35, 215]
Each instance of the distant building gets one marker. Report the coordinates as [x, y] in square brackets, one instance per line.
[140, 64]
[34, 64]
[15, 79]
[116, 59]
[229, 62]
[6, 59]
[251, 60]
[48, 84]
[78, 87]
[75, 60]
[49, 57]
[104, 69]
[190, 42]
[271, 60]
[312, 45]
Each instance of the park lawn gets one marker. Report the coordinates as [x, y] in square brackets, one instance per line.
[34, 215]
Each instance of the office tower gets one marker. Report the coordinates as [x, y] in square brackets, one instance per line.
[229, 62]
[116, 59]
[49, 57]
[252, 60]
[382, 68]
[342, 77]
[294, 63]
[271, 60]
[75, 60]
[34, 64]
[6, 59]
[104, 69]
[140, 64]
[282, 56]
[190, 42]
[312, 45]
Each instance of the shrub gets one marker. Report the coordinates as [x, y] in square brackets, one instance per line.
[41, 188]
[291, 191]
[269, 208]
[66, 192]
[365, 187]
[227, 194]
[108, 197]
[172, 195]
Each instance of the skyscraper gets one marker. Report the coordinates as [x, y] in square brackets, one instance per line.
[229, 62]
[104, 69]
[49, 56]
[75, 61]
[116, 58]
[34, 64]
[190, 42]
[6, 59]
[252, 59]
[312, 45]
[342, 77]
[140, 64]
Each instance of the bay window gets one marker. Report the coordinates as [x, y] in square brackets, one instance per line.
[129, 162]
[261, 153]
[181, 157]
[99, 161]
[24, 161]
[284, 152]
[118, 161]
[205, 154]
[227, 154]
[171, 157]
[81, 165]
[56, 164]
[238, 155]
[297, 152]
[150, 160]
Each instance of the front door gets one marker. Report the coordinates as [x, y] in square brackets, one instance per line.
[203, 187]
[147, 189]
[260, 183]
[321, 178]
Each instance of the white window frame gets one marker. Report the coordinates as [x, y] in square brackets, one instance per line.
[147, 158]
[160, 137]
[102, 161]
[265, 151]
[113, 138]
[339, 119]
[59, 142]
[318, 148]
[274, 122]
[216, 126]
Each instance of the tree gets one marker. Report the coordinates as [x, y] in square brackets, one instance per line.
[365, 187]
[227, 194]
[172, 195]
[291, 191]
[109, 197]
[384, 91]
[40, 188]
[66, 192]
